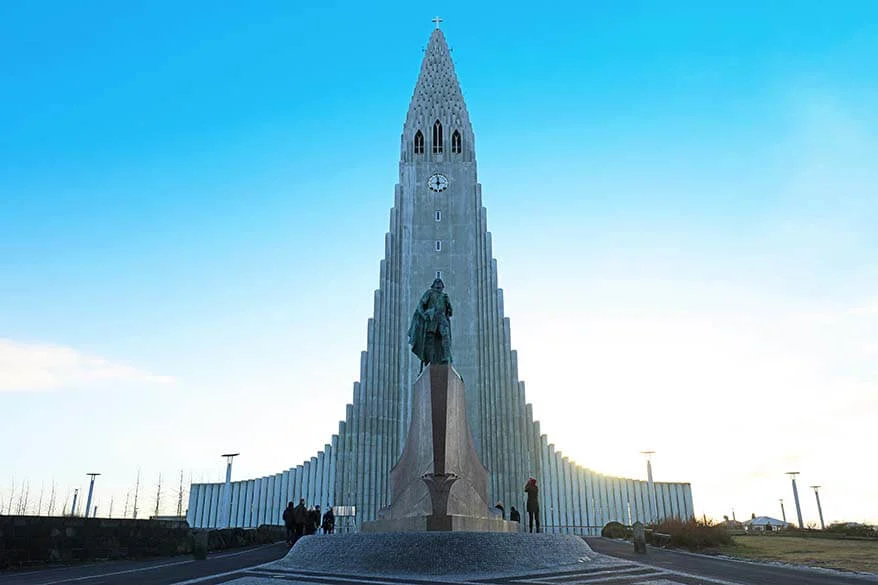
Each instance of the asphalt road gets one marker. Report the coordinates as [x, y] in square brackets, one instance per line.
[727, 570]
[154, 572]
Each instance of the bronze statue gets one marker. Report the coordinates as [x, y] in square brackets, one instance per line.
[430, 330]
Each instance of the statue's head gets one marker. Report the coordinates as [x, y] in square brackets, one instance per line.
[438, 284]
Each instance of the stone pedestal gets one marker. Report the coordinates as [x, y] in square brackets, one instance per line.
[439, 484]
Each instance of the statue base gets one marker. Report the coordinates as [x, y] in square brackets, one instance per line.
[439, 484]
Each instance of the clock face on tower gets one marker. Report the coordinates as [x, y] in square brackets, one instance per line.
[437, 183]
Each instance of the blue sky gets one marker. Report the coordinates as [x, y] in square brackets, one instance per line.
[193, 198]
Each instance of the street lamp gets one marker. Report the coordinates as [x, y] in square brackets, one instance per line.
[793, 475]
[819, 509]
[653, 503]
[783, 512]
[225, 511]
[91, 489]
[73, 506]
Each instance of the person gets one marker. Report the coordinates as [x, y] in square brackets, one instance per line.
[499, 506]
[328, 521]
[533, 503]
[300, 516]
[514, 516]
[313, 520]
[290, 523]
[430, 330]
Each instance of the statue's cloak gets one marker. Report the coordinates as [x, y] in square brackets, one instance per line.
[430, 330]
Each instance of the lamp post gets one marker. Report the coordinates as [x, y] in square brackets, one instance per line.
[653, 503]
[783, 512]
[91, 489]
[73, 505]
[819, 509]
[225, 510]
[793, 475]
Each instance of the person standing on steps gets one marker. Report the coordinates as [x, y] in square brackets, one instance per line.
[533, 503]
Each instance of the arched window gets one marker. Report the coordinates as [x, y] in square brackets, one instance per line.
[456, 143]
[437, 137]
[419, 142]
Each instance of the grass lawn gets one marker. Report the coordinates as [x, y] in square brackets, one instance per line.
[853, 555]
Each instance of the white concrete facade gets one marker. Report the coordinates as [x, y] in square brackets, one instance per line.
[353, 468]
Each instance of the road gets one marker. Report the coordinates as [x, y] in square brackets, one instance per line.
[725, 570]
[154, 572]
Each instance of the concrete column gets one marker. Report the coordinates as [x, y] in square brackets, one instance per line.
[318, 480]
[306, 483]
[576, 494]
[268, 517]
[638, 502]
[619, 498]
[333, 470]
[233, 507]
[193, 503]
[258, 490]
[285, 489]
[606, 500]
[591, 501]
[630, 505]
[247, 504]
[312, 483]
[215, 503]
[242, 504]
[567, 502]
[662, 510]
[341, 454]
[545, 491]
[368, 382]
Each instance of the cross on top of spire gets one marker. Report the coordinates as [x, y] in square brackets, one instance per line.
[437, 20]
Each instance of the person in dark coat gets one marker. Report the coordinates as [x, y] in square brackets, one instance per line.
[328, 521]
[313, 520]
[499, 506]
[290, 523]
[300, 517]
[514, 516]
[533, 503]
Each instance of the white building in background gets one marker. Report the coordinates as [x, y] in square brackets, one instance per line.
[438, 228]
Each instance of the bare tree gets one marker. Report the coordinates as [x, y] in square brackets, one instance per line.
[158, 496]
[180, 496]
[11, 497]
[40, 501]
[22, 499]
[136, 492]
[51, 509]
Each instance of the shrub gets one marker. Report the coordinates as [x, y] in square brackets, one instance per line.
[692, 534]
[616, 530]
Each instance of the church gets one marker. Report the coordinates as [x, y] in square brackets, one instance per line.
[438, 229]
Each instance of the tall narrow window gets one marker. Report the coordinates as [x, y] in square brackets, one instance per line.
[438, 274]
[438, 215]
[437, 137]
[456, 143]
[419, 142]
[438, 245]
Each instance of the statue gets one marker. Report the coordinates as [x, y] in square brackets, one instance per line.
[430, 330]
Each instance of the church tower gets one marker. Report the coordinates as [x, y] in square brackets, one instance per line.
[438, 228]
